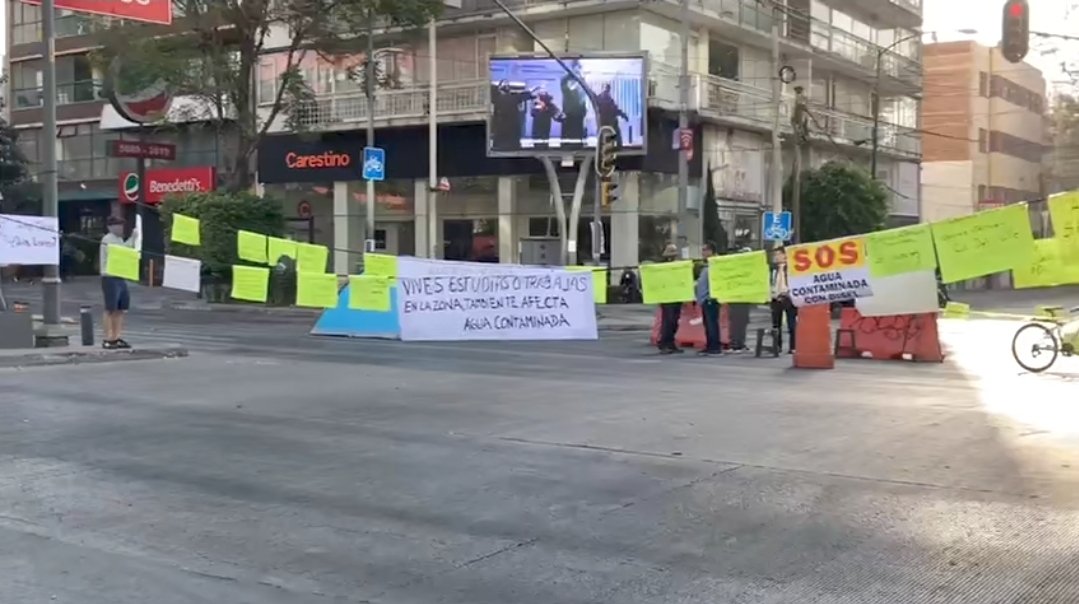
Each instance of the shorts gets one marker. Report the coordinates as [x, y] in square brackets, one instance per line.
[117, 297]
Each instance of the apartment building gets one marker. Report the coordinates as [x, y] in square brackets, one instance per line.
[833, 45]
[986, 132]
[88, 179]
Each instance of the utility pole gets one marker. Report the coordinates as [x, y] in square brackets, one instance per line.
[50, 205]
[777, 102]
[432, 142]
[875, 108]
[800, 125]
[683, 124]
[369, 86]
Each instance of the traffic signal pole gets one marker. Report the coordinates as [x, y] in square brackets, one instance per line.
[49, 192]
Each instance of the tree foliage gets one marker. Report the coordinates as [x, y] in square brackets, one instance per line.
[839, 199]
[20, 192]
[212, 51]
[221, 214]
[1065, 133]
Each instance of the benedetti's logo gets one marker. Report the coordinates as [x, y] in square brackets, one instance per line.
[328, 159]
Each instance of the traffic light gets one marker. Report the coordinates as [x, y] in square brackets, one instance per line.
[607, 152]
[1015, 34]
[608, 192]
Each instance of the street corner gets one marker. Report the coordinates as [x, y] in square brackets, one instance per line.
[78, 355]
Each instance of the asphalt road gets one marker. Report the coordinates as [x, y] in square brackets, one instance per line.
[273, 467]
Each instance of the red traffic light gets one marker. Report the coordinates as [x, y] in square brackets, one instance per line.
[1017, 10]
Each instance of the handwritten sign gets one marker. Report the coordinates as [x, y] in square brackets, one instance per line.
[1064, 213]
[29, 240]
[250, 283]
[827, 256]
[280, 248]
[380, 265]
[369, 292]
[667, 282]
[1047, 267]
[443, 300]
[251, 247]
[984, 243]
[185, 229]
[316, 290]
[599, 280]
[903, 250]
[311, 258]
[739, 278]
[122, 261]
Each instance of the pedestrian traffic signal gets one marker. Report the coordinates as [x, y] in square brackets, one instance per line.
[1015, 34]
[606, 152]
[608, 192]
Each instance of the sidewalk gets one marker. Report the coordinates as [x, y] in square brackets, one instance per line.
[77, 354]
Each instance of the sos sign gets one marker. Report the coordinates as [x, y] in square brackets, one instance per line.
[835, 255]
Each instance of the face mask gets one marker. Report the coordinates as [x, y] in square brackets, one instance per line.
[117, 229]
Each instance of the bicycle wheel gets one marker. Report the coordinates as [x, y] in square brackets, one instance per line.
[1038, 345]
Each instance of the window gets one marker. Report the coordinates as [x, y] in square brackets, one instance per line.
[26, 23]
[983, 142]
[723, 60]
[1001, 142]
[983, 83]
[981, 193]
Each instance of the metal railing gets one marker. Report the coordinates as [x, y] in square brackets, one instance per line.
[466, 99]
[713, 96]
[67, 93]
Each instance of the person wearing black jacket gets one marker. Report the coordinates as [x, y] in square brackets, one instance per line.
[670, 312]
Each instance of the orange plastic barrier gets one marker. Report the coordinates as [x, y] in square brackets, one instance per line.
[891, 337]
[814, 333]
[690, 332]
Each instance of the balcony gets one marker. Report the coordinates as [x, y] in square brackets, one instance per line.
[715, 99]
[67, 93]
[885, 13]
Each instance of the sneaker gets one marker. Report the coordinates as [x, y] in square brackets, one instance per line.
[739, 350]
[122, 344]
[791, 351]
[677, 350]
[109, 345]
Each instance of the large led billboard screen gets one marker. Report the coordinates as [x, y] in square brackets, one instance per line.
[537, 108]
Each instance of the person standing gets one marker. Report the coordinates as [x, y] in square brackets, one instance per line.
[608, 112]
[117, 297]
[670, 313]
[709, 305]
[738, 320]
[781, 297]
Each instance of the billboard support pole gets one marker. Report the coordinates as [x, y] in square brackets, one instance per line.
[432, 142]
[50, 204]
[559, 208]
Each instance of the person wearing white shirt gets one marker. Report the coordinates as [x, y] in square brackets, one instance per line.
[781, 296]
[117, 297]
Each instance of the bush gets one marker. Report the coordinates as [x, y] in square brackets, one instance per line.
[221, 214]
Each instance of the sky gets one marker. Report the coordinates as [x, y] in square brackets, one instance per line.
[944, 17]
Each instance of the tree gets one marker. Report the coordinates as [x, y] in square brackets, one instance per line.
[712, 227]
[213, 49]
[17, 188]
[1065, 150]
[840, 199]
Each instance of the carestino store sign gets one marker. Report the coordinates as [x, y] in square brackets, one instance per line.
[299, 158]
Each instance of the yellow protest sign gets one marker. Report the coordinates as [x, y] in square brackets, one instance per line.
[1064, 213]
[185, 229]
[740, 278]
[1047, 268]
[956, 310]
[279, 248]
[316, 290]
[984, 243]
[369, 292]
[379, 265]
[251, 246]
[250, 283]
[667, 282]
[311, 258]
[599, 281]
[903, 250]
[122, 261]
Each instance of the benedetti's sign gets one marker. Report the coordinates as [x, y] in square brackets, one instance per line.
[443, 300]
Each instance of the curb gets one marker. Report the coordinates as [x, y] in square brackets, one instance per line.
[80, 358]
[244, 309]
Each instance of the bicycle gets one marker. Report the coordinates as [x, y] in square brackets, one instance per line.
[1055, 333]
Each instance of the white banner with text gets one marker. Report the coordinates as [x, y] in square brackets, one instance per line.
[440, 300]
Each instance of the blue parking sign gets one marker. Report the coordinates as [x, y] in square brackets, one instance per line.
[374, 163]
[777, 226]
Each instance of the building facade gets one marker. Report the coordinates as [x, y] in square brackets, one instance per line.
[502, 203]
[990, 137]
[89, 189]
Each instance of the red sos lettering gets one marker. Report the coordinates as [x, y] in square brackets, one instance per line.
[826, 257]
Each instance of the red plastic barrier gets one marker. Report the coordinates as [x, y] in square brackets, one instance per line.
[814, 333]
[891, 337]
